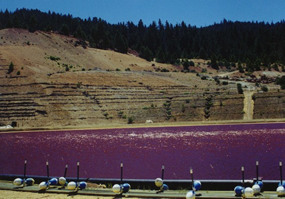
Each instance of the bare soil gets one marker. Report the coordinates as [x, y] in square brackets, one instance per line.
[57, 83]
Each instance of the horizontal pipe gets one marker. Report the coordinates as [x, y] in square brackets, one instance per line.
[174, 184]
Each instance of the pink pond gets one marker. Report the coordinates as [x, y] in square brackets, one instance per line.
[214, 152]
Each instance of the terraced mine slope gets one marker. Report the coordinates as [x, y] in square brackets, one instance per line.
[57, 82]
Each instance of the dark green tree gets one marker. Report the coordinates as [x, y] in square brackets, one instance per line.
[121, 43]
[281, 82]
[161, 57]
[80, 33]
[146, 53]
[32, 24]
[247, 42]
[239, 88]
[214, 64]
[186, 65]
[11, 68]
[64, 29]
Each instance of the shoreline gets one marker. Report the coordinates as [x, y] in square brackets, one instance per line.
[143, 125]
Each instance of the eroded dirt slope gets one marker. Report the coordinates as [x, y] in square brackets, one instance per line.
[57, 82]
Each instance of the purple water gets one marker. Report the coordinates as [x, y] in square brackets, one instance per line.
[214, 152]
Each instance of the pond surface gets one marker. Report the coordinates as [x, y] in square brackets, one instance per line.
[214, 152]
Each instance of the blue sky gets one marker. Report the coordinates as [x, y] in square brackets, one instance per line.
[194, 12]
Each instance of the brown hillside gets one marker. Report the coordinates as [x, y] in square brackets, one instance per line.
[57, 82]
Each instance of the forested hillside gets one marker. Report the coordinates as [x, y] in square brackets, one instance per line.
[259, 45]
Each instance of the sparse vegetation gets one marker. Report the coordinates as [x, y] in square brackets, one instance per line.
[78, 85]
[86, 93]
[182, 108]
[106, 115]
[217, 80]
[142, 94]
[120, 114]
[54, 58]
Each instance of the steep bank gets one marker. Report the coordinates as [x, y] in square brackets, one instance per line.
[269, 105]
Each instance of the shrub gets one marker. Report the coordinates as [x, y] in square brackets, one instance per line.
[53, 58]
[183, 108]
[186, 65]
[281, 82]
[120, 114]
[78, 85]
[85, 93]
[191, 63]
[130, 120]
[240, 68]
[14, 124]
[217, 80]
[164, 70]
[275, 67]
[11, 68]
[106, 115]
[264, 88]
